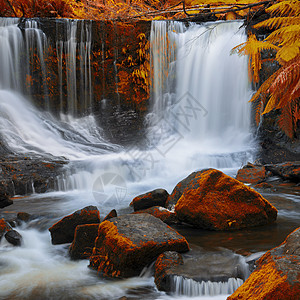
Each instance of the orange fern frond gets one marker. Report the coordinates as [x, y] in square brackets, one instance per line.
[276, 22]
[285, 8]
[253, 48]
[286, 121]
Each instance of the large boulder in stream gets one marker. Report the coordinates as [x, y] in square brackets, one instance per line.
[277, 276]
[63, 231]
[156, 197]
[212, 200]
[127, 244]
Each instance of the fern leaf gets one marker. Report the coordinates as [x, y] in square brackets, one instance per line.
[263, 90]
[275, 23]
[288, 53]
[270, 105]
[286, 122]
[285, 8]
[285, 35]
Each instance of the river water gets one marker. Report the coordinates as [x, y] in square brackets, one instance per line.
[199, 117]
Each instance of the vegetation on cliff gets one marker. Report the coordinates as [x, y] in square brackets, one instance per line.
[281, 91]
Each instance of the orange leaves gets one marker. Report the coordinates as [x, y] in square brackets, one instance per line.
[253, 48]
[281, 91]
[41, 8]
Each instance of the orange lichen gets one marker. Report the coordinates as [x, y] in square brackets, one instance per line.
[116, 255]
[3, 226]
[267, 283]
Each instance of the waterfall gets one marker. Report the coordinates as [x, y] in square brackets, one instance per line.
[198, 117]
[24, 59]
[200, 92]
[192, 288]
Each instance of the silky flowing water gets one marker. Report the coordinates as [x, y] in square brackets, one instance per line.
[199, 117]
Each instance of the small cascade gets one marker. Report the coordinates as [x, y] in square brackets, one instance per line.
[11, 44]
[192, 288]
[74, 53]
[36, 69]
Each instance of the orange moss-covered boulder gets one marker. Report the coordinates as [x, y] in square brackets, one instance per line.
[215, 201]
[157, 197]
[125, 245]
[251, 173]
[63, 231]
[163, 269]
[277, 276]
[4, 227]
[162, 213]
[84, 241]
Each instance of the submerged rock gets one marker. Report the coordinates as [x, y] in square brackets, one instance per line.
[163, 269]
[63, 231]
[13, 237]
[213, 200]
[125, 245]
[24, 216]
[162, 213]
[277, 275]
[200, 269]
[156, 197]
[251, 173]
[84, 241]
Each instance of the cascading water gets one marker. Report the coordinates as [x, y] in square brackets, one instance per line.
[199, 118]
[200, 93]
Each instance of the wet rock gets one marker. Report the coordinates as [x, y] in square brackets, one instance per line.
[276, 147]
[24, 216]
[13, 237]
[125, 245]
[4, 227]
[63, 231]
[288, 170]
[163, 269]
[277, 275]
[112, 214]
[4, 199]
[251, 173]
[25, 175]
[157, 197]
[162, 213]
[215, 201]
[264, 185]
[84, 241]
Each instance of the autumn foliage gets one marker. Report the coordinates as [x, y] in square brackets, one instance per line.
[281, 91]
